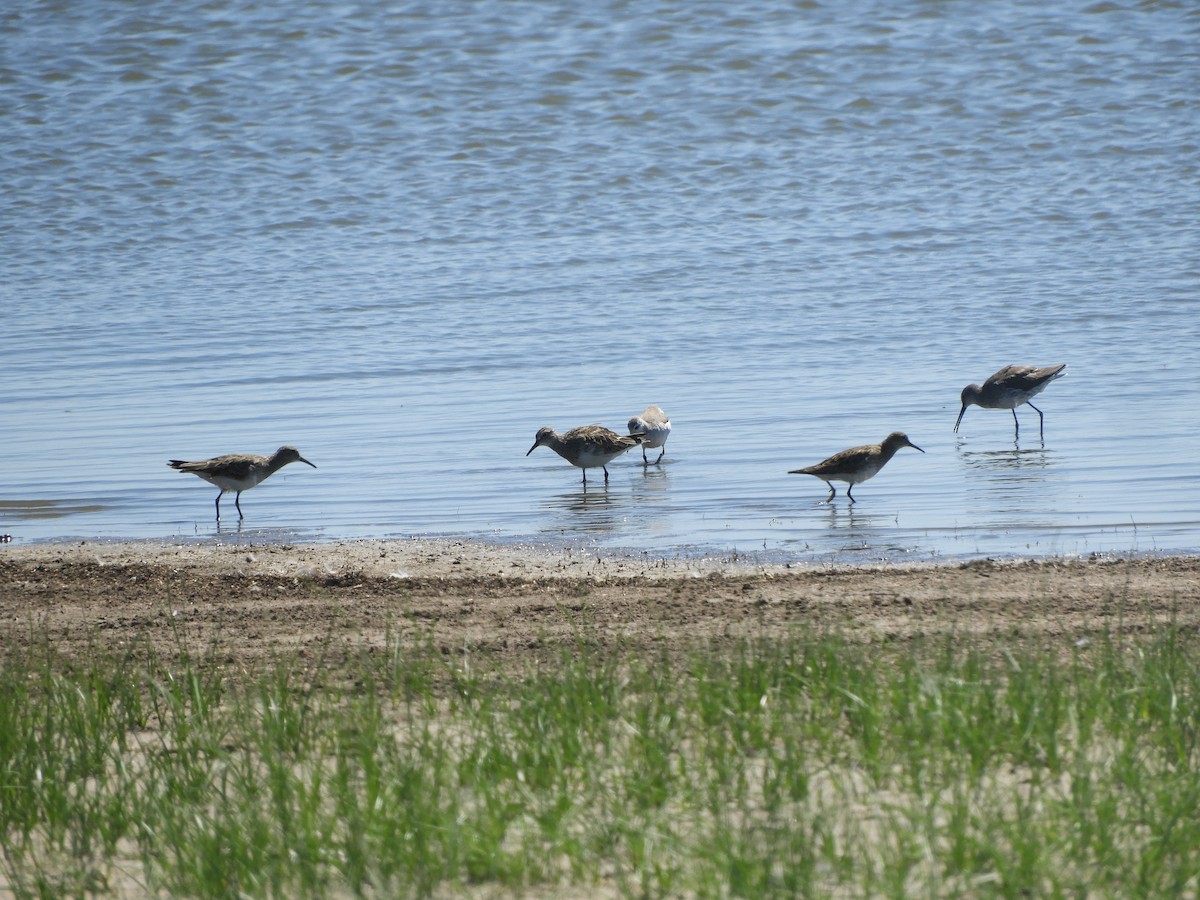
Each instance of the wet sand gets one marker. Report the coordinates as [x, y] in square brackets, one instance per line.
[248, 605]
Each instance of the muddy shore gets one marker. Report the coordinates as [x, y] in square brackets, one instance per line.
[248, 605]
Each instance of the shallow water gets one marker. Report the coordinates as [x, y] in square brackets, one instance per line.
[403, 239]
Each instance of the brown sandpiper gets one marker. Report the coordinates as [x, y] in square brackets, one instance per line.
[856, 464]
[239, 471]
[587, 446]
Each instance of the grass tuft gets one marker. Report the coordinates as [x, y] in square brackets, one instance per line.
[781, 767]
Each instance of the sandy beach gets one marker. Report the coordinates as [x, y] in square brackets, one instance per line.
[323, 615]
[250, 604]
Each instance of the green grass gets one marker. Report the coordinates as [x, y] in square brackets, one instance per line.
[806, 766]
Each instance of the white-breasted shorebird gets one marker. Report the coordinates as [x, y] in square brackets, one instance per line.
[1009, 388]
[856, 464]
[654, 427]
[239, 471]
[587, 446]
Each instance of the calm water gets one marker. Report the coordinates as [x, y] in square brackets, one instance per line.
[403, 237]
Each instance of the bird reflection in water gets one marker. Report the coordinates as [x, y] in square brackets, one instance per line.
[225, 529]
[848, 520]
[590, 509]
[1012, 464]
[852, 535]
[999, 481]
[652, 486]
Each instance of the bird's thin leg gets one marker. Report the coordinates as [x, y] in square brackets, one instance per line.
[848, 494]
[584, 475]
[1017, 425]
[219, 493]
[237, 501]
[661, 454]
[1041, 423]
[605, 468]
[832, 493]
[645, 462]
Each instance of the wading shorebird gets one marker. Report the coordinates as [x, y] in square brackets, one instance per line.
[239, 471]
[856, 464]
[587, 446]
[654, 428]
[1009, 388]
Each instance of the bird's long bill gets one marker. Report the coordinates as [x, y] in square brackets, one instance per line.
[914, 446]
[958, 421]
[303, 460]
[534, 447]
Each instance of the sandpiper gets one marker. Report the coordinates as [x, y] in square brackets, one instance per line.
[654, 428]
[239, 471]
[1009, 388]
[587, 446]
[856, 464]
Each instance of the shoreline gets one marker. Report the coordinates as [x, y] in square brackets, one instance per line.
[249, 605]
[441, 555]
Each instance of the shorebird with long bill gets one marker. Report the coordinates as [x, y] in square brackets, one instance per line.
[239, 471]
[856, 464]
[587, 446]
[1009, 388]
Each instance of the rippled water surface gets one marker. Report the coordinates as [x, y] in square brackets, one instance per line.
[404, 236]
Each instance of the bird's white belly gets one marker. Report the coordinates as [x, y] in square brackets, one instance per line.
[655, 437]
[864, 473]
[226, 483]
[856, 477]
[591, 457]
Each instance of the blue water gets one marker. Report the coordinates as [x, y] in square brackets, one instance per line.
[404, 237]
